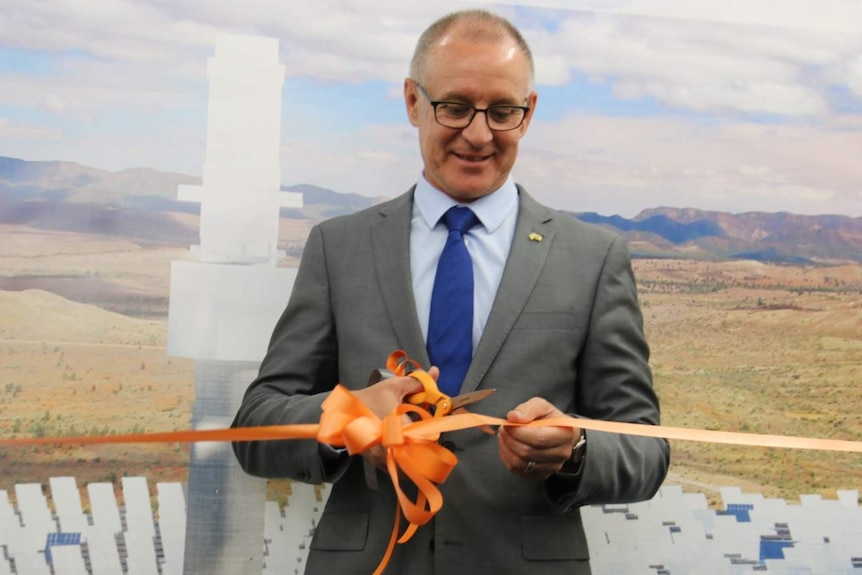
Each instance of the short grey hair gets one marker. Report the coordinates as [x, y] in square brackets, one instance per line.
[476, 25]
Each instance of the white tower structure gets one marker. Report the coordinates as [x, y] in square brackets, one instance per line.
[226, 299]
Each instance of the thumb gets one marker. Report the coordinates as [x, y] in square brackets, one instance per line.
[518, 416]
[434, 372]
[532, 409]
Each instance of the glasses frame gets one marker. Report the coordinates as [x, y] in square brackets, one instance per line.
[435, 103]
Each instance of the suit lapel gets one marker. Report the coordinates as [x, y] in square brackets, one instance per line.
[530, 246]
[390, 245]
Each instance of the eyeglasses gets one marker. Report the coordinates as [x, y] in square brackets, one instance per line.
[458, 115]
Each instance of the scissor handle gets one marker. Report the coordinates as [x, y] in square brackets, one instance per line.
[399, 364]
[431, 396]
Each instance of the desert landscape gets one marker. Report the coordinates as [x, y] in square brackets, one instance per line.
[736, 345]
[759, 348]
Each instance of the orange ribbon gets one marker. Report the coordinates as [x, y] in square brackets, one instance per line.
[412, 448]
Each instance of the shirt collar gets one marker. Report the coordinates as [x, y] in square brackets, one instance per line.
[491, 209]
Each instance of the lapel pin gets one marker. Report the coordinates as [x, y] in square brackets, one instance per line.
[534, 237]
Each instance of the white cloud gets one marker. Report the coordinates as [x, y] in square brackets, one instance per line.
[108, 147]
[833, 15]
[623, 165]
[378, 161]
[848, 72]
[115, 30]
[700, 65]
[14, 131]
[102, 56]
[552, 69]
[88, 94]
[346, 41]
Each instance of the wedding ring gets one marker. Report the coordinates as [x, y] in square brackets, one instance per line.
[531, 465]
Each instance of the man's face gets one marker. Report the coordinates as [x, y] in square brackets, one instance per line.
[471, 162]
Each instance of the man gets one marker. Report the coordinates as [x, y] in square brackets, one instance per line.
[556, 330]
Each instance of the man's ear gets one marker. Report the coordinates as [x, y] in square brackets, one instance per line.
[531, 102]
[411, 101]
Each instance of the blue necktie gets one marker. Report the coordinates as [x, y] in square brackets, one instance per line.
[450, 325]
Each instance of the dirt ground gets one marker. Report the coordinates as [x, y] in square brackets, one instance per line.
[744, 346]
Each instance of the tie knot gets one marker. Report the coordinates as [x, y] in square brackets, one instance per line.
[460, 218]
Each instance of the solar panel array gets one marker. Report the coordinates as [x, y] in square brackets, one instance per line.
[288, 531]
[139, 536]
[110, 540]
[675, 533]
[172, 526]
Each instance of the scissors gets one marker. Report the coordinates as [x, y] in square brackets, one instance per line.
[432, 399]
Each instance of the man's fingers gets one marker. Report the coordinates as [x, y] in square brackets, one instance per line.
[386, 395]
[525, 441]
[525, 462]
[533, 409]
[406, 386]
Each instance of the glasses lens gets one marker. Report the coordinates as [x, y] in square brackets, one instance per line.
[454, 115]
[504, 117]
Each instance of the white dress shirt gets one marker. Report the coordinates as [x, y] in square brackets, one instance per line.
[488, 245]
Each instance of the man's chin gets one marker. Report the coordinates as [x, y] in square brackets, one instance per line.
[469, 194]
[469, 187]
[466, 185]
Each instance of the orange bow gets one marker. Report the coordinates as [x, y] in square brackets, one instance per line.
[410, 448]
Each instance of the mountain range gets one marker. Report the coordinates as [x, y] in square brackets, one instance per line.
[138, 203]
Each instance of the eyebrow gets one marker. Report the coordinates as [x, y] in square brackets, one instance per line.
[462, 99]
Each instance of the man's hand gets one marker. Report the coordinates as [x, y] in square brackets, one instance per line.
[535, 452]
[383, 397]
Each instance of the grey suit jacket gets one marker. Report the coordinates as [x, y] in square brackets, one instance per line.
[565, 325]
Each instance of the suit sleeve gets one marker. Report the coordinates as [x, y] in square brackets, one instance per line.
[615, 384]
[297, 372]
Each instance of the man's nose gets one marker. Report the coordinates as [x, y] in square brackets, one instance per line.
[477, 132]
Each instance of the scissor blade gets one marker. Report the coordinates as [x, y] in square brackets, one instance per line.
[472, 397]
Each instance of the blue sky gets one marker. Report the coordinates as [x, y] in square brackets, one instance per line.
[642, 103]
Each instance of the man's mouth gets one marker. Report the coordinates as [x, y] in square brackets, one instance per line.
[473, 158]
